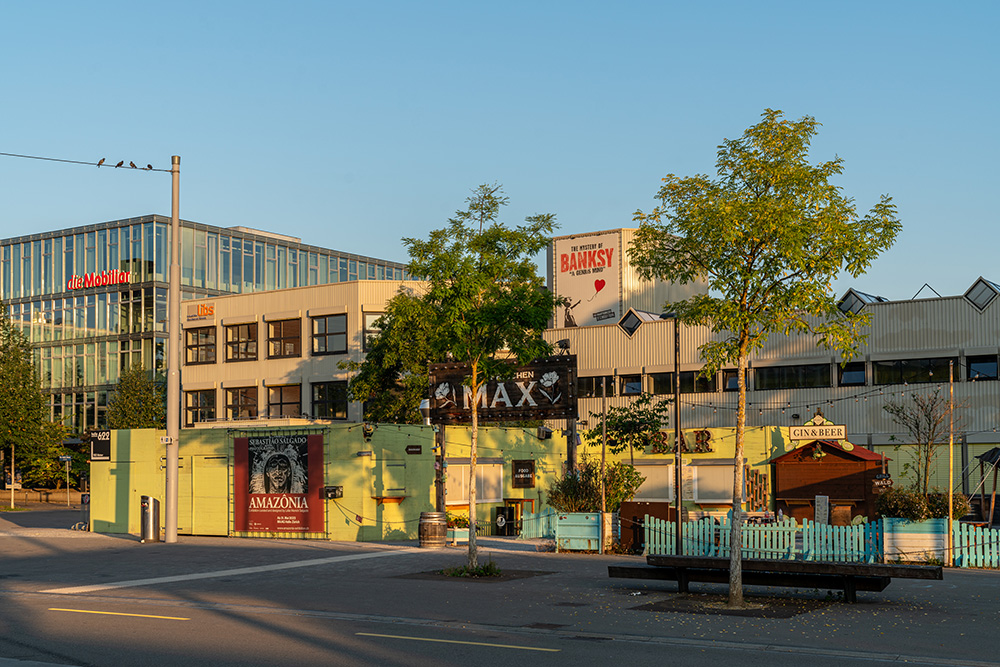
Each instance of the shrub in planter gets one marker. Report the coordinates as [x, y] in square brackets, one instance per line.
[580, 491]
[909, 504]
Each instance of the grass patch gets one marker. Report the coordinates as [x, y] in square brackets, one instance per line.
[14, 509]
[487, 569]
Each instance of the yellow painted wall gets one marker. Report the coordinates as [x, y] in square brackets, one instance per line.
[117, 485]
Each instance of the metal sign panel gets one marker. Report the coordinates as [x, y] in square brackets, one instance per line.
[100, 446]
[544, 389]
[523, 476]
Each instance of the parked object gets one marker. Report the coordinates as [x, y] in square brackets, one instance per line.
[149, 519]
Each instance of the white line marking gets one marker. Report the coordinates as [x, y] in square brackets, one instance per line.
[220, 573]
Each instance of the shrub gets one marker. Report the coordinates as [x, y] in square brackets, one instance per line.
[580, 490]
[909, 504]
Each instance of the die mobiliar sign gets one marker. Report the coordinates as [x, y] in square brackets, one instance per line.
[95, 279]
[543, 389]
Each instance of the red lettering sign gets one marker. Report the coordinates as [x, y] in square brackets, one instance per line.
[112, 277]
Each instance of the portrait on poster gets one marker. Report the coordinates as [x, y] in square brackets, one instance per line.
[277, 481]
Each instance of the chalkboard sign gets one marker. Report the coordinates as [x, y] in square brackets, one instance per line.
[524, 474]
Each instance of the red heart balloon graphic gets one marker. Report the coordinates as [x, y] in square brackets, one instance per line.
[598, 285]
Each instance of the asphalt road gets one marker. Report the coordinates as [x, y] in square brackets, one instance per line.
[75, 598]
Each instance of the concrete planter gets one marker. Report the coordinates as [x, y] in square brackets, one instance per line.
[915, 541]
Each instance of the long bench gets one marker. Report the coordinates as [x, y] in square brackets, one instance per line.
[848, 577]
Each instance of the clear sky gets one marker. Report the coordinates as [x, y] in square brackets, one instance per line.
[351, 125]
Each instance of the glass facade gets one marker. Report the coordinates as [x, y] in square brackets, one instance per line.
[93, 299]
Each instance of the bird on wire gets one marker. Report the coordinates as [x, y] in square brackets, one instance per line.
[132, 164]
[120, 163]
[101, 162]
[149, 167]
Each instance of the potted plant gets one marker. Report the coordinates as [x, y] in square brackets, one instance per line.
[458, 528]
[915, 525]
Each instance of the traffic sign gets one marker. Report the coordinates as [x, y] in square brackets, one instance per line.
[65, 459]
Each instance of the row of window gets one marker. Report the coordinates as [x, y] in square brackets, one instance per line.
[211, 260]
[805, 376]
[328, 335]
[327, 400]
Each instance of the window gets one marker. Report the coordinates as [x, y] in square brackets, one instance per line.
[851, 374]
[284, 339]
[370, 329]
[911, 370]
[489, 482]
[730, 379]
[629, 385]
[200, 345]
[792, 377]
[329, 400]
[663, 383]
[284, 401]
[241, 342]
[713, 483]
[241, 403]
[590, 387]
[199, 406]
[329, 334]
[659, 483]
[982, 368]
[692, 382]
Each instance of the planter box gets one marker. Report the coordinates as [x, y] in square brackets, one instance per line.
[456, 535]
[915, 541]
[578, 531]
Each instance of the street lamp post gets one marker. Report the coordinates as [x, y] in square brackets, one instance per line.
[173, 356]
[678, 478]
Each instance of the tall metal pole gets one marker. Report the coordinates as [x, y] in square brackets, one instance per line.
[604, 446]
[173, 354]
[951, 457]
[678, 483]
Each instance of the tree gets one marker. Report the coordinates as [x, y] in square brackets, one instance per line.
[769, 235]
[579, 490]
[485, 303]
[927, 420]
[137, 402]
[25, 428]
[633, 426]
[392, 380]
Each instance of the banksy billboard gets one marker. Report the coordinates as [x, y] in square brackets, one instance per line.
[587, 274]
[543, 389]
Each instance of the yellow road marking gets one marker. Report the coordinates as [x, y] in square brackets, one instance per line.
[454, 641]
[115, 613]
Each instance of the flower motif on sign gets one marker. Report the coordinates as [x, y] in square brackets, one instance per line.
[444, 392]
[551, 383]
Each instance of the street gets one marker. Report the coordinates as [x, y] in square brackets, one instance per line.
[74, 598]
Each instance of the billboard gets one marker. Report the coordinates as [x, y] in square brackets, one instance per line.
[278, 483]
[544, 389]
[587, 273]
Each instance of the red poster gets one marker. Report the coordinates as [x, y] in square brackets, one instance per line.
[278, 483]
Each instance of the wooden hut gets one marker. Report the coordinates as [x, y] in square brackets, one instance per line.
[824, 468]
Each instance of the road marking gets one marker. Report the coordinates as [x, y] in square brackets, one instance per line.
[222, 573]
[455, 641]
[115, 613]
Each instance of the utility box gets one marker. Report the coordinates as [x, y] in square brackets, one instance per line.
[149, 519]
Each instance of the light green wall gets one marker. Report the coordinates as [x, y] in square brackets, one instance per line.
[118, 484]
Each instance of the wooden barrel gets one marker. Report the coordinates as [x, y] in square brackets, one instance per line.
[433, 530]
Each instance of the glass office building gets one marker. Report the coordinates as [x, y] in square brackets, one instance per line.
[93, 299]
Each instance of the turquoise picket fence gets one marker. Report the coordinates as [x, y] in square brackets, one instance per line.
[862, 543]
[711, 537]
[975, 546]
[539, 524]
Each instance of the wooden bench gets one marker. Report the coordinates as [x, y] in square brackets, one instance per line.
[848, 577]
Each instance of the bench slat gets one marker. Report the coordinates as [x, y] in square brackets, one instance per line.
[803, 567]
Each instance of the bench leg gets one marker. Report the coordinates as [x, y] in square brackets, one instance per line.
[850, 589]
[682, 580]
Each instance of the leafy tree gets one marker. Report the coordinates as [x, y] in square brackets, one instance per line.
[25, 427]
[633, 426]
[927, 420]
[769, 235]
[137, 402]
[392, 380]
[485, 303]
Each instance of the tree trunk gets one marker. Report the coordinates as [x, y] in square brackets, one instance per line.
[736, 529]
[473, 554]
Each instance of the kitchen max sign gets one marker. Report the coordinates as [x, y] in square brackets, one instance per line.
[544, 389]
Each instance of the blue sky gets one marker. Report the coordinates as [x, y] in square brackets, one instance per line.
[352, 125]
